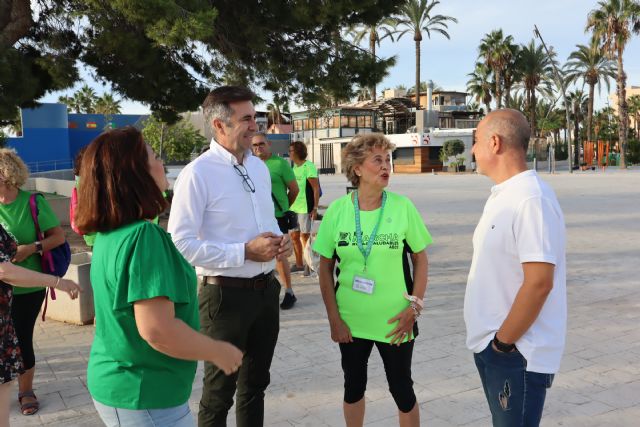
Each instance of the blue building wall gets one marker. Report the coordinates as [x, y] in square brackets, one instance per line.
[51, 137]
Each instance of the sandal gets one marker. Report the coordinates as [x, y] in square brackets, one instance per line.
[28, 408]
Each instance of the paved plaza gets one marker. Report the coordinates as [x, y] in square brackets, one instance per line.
[599, 381]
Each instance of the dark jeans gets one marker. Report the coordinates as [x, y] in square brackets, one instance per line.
[24, 312]
[515, 395]
[249, 319]
[397, 367]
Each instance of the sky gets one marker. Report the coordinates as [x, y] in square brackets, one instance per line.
[447, 62]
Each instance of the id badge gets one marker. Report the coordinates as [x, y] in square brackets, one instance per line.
[363, 284]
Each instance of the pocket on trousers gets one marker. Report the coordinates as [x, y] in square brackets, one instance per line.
[214, 300]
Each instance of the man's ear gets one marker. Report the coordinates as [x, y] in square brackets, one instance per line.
[496, 143]
[218, 126]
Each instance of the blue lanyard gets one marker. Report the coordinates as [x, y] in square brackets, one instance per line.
[372, 236]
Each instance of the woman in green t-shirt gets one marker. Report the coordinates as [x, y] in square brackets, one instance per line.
[143, 358]
[15, 217]
[371, 236]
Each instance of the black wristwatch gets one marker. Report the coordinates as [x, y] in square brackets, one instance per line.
[501, 346]
[38, 247]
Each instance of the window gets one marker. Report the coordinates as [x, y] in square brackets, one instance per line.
[434, 153]
[353, 122]
[344, 121]
[335, 122]
[404, 156]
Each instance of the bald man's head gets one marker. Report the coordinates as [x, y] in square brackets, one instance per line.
[510, 125]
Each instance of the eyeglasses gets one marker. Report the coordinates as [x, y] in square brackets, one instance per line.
[247, 183]
[259, 144]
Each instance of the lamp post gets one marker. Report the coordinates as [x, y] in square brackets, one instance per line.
[560, 82]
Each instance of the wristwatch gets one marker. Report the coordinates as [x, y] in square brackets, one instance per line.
[38, 246]
[503, 347]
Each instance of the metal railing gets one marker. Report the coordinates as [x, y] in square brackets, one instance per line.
[50, 165]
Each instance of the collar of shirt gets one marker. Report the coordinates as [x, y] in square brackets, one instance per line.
[219, 151]
[500, 187]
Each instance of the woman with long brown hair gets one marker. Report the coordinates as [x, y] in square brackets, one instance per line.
[143, 358]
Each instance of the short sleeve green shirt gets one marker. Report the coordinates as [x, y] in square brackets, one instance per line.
[281, 175]
[136, 262]
[401, 231]
[303, 172]
[16, 219]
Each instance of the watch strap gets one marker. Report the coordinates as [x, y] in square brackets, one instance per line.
[503, 347]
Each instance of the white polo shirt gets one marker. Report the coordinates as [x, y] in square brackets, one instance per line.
[213, 214]
[521, 222]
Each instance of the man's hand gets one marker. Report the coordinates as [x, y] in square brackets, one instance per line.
[24, 252]
[284, 251]
[263, 248]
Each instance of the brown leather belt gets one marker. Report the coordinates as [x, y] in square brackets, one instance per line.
[258, 282]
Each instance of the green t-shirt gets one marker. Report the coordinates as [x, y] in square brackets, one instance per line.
[401, 232]
[281, 175]
[136, 262]
[302, 173]
[17, 220]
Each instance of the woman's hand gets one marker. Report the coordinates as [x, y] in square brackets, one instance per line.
[68, 286]
[227, 357]
[340, 332]
[24, 252]
[404, 328]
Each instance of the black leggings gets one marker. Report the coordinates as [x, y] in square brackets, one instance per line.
[397, 366]
[24, 311]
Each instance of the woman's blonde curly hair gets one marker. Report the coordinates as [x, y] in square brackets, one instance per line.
[358, 149]
[13, 171]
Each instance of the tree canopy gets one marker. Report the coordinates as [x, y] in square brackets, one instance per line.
[169, 53]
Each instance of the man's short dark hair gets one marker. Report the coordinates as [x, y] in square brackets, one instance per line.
[216, 104]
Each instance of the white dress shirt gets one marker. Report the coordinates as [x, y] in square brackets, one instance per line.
[213, 214]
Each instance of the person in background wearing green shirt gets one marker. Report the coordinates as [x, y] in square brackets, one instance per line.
[15, 217]
[306, 204]
[284, 190]
[373, 236]
[143, 358]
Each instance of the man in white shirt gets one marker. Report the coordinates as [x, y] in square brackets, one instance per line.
[515, 306]
[222, 222]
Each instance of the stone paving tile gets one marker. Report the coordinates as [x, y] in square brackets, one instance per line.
[599, 380]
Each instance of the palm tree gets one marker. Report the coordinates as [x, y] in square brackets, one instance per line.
[536, 68]
[107, 105]
[275, 113]
[480, 85]
[612, 24]
[579, 104]
[634, 109]
[495, 50]
[377, 32]
[416, 16]
[511, 72]
[590, 65]
[87, 99]
[72, 102]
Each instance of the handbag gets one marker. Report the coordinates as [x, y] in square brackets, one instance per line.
[290, 218]
[55, 261]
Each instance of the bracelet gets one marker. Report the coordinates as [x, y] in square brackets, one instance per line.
[414, 299]
[416, 312]
[55, 285]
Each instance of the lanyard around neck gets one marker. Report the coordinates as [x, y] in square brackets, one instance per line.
[374, 232]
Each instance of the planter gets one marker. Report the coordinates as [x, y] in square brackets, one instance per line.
[79, 311]
[462, 168]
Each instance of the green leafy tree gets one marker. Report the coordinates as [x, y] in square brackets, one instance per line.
[480, 85]
[634, 111]
[168, 54]
[497, 52]
[375, 32]
[612, 24]
[173, 142]
[590, 65]
[535, 68]
[579, 103]
[417, 16]
[107, 105]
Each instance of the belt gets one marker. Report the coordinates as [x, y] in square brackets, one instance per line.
[260, 281]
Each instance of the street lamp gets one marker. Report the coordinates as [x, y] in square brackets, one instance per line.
[560, 82]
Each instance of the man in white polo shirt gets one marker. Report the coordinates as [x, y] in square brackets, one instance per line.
[515, 306]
